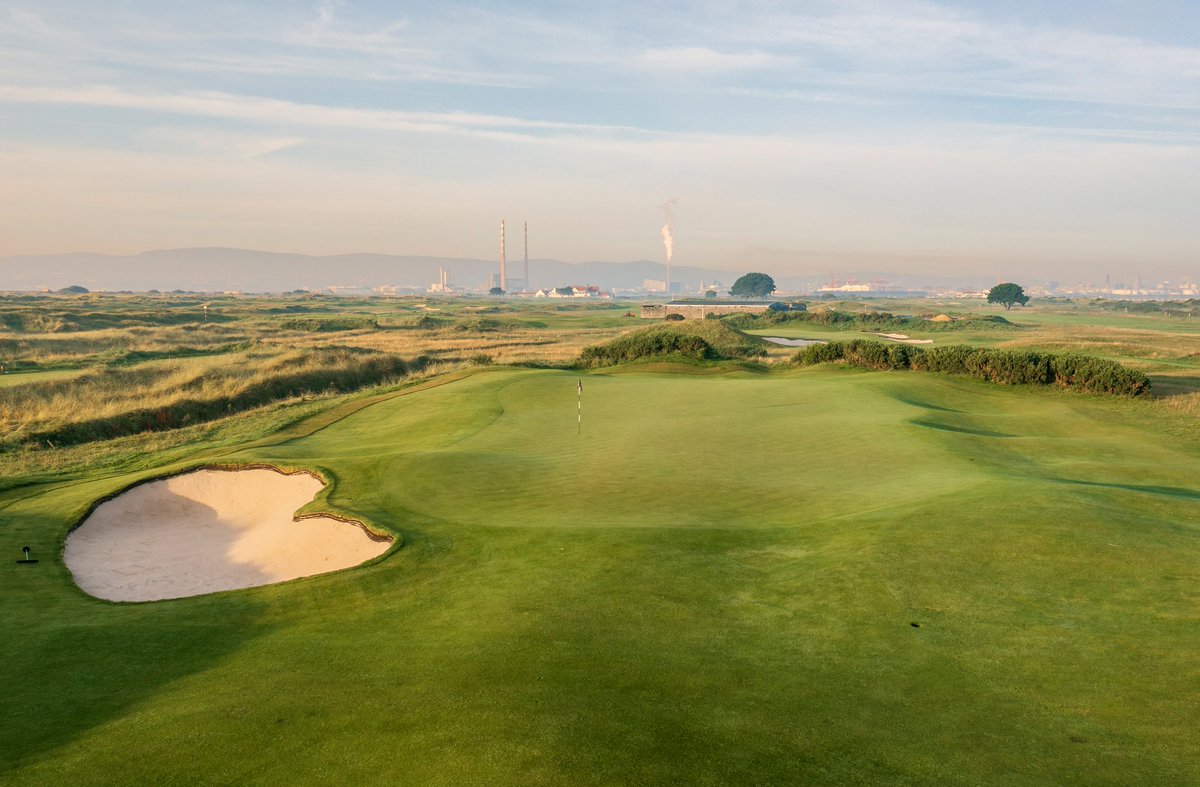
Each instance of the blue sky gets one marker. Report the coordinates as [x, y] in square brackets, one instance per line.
[1002, 138]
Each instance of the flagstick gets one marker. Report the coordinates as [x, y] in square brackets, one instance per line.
[579, 417]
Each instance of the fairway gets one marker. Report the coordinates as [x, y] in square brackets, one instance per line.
[807, 575]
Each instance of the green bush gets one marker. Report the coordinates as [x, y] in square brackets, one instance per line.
[1007, 367]
[701, 340]
[647, 345]
[881, 322]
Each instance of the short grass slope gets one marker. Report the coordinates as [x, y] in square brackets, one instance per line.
[822, 575]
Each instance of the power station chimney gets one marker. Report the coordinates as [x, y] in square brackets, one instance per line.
[528, 287]
[503, 282]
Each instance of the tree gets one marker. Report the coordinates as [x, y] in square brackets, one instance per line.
[495, 291]
[1007, 294]
[710, 293]
[758, 285]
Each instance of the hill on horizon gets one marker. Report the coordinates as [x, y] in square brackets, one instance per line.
[209, 269]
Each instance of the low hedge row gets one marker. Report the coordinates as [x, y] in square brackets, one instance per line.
[1009, 367]
[865, 321]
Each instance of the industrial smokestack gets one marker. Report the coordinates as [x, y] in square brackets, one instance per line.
[668, 236]
[503, 283]
[528, 286]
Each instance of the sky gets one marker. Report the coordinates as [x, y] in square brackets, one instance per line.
[1010, 138]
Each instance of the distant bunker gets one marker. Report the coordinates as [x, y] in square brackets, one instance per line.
[702, 307]
[211, 530]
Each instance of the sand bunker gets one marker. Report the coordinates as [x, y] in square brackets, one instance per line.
[903, 337]
[210, 530]
[793, 342]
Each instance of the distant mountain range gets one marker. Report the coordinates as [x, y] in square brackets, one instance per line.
[218, 269]
[222, 269]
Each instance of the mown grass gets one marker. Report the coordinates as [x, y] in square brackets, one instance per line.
[714, 582]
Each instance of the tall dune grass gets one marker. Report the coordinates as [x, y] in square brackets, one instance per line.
[110, 402]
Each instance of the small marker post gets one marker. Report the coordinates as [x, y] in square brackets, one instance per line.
[579, 417]
[27, 559]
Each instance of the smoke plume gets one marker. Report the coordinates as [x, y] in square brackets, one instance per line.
[668, 229]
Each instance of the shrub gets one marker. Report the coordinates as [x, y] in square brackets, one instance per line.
[701, 340]
[826, 352]
[673, 317]
[646, 345]
[1006, 367]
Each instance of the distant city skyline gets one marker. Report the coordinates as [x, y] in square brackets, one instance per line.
[999, 139]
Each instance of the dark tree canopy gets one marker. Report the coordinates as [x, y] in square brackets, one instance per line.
[495, 291]
[710, 293]
[74, 289]
[1007, 294]
[758, 285]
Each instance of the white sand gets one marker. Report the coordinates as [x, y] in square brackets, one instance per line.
[793, 342]
[903, 337]
[210, 530]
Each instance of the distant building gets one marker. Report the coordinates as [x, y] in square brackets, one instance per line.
[698, 309]
[577, 291]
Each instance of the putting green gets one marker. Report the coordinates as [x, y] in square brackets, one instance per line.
[713, 581]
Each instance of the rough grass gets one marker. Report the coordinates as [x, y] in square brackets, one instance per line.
[111, 402]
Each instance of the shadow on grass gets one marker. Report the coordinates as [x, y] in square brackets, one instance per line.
[1167, 386]
[77, 667]
[925, 405]
[960, 429]
[1178, 493]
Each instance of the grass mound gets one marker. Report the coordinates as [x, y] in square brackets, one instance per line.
[327, 324]
[697, 340]
[1068, 370]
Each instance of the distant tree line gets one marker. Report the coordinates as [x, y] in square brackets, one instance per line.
[1068, 370]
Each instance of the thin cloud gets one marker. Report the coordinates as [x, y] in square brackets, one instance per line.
[276, 111]
[692, 59]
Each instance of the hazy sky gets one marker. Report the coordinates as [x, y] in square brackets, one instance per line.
[1012, 138]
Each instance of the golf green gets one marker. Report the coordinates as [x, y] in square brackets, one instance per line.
[820, 575]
